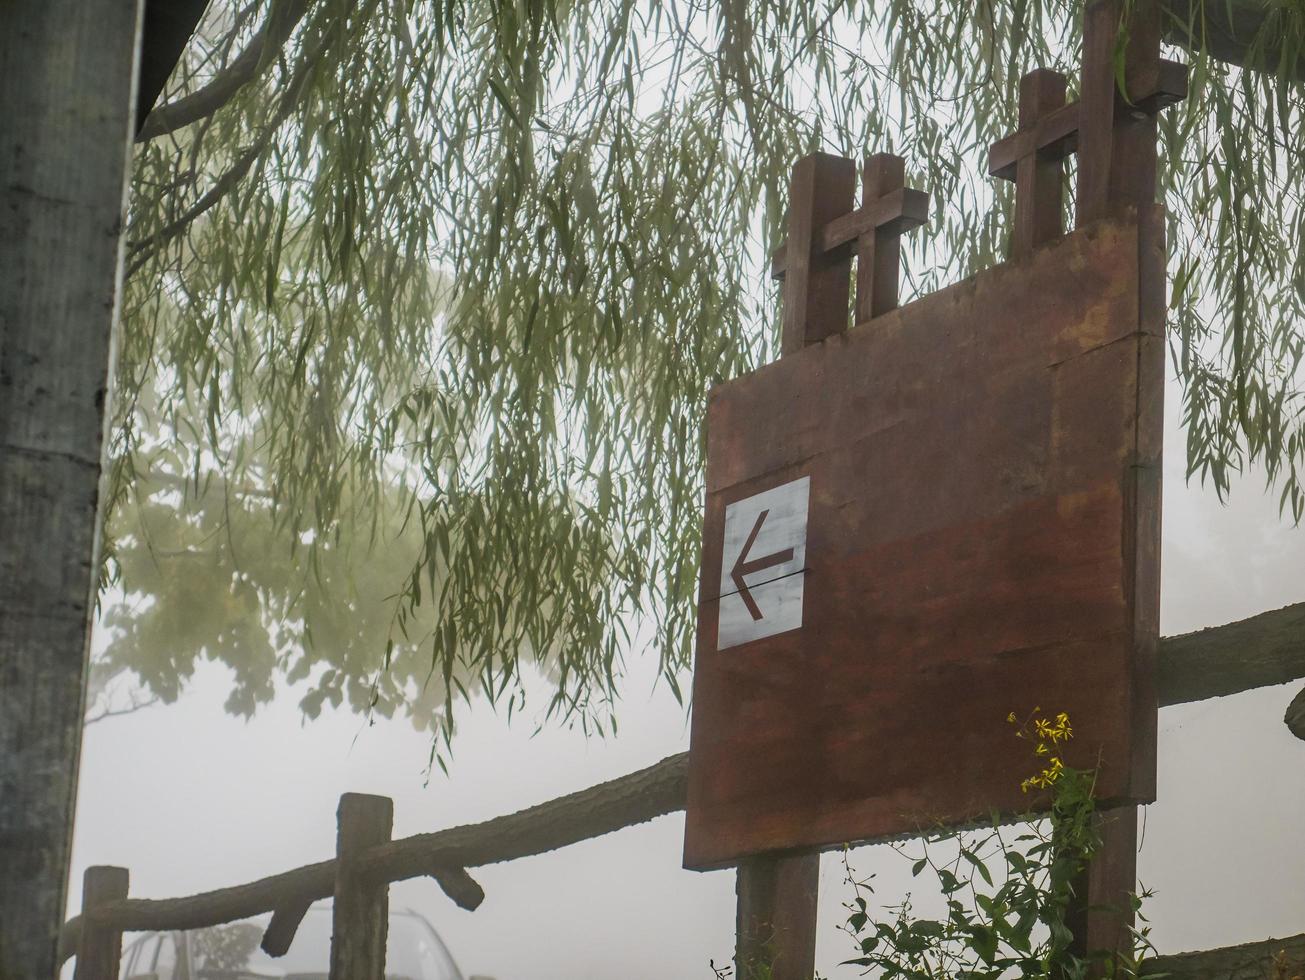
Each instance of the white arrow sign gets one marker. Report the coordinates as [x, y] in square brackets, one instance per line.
[761, 573]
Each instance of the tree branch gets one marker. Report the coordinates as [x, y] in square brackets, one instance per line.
[281, 22]
[141, 251]
[1272, 959]
[1295, 715]
[1229, 31]
[1261, 651]
[117, 712]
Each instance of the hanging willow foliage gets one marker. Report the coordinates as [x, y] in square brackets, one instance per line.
[425, 299]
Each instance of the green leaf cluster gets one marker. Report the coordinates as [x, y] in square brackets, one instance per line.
[428, 312]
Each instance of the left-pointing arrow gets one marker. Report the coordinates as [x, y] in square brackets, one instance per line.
[743, 567]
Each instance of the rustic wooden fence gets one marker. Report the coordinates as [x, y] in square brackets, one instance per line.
[1264, 650]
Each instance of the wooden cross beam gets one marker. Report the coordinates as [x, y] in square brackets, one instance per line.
[815, 262]
[1056, 134]
[1119, 163]
[1040, 173]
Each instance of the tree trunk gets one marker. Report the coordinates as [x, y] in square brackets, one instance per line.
[67, 92]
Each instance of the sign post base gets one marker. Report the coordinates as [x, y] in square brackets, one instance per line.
[776, 919]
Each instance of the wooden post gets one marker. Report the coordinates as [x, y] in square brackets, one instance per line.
[1101, 913]
[67, 97]
[776, 919]
[362, 904]
[99, 948]
[879, 251]
[1117, 152]
[816, 283]
[1039, 175]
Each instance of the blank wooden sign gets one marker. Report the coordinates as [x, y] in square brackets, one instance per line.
[914, 528]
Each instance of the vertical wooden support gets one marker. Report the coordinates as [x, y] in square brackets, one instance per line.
[99, 948]
[362, 905]
[1096, 125]
[776, 919]
[1101, 915]
[816, 283]
[1133, 153]
[67, 92]
[1039, 175]
[1117, 169]
[1116, 147]
[879, 252]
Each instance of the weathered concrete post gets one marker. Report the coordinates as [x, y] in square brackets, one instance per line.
[67, 97]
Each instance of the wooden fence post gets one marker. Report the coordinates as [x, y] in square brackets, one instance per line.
[99, 949]
[360, 920]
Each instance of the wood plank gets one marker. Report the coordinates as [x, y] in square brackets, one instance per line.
[897, 212]
[99, 953]
[1268, 959]
[816, 282]
[1101, 913]
[972, 549]
[775, 917]
[360, 914]
[1039, 175]
[67, 87]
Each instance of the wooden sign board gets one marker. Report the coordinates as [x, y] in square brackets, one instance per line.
[916, 527]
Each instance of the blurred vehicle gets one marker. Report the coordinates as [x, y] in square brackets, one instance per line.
[230, 952]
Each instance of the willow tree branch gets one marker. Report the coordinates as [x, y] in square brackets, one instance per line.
[140, 252]
[281, 22]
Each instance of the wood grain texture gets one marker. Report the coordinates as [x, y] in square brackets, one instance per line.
[775, 917]
[1260, 651]
[1040, 173]
[99, 952]
[67, 88]
[1100, 913]
[360, 913]
[984, 469]
[816, 281]
[1269, 959]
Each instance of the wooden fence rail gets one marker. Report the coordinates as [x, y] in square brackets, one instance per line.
[1264, 650]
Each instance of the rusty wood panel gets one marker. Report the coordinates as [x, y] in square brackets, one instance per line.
[982, 538]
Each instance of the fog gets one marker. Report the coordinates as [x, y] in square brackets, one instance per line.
[189, 798]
